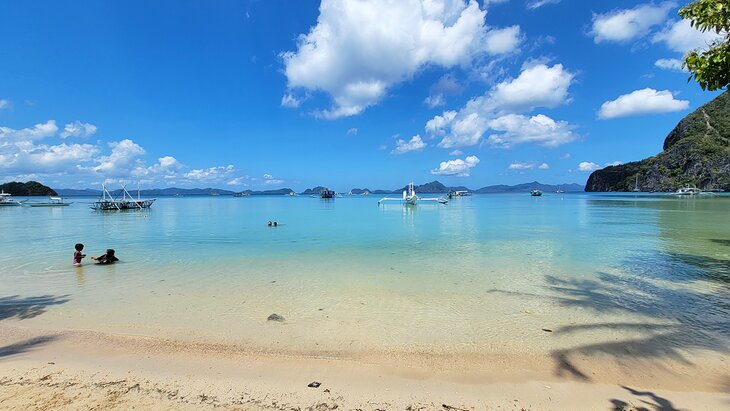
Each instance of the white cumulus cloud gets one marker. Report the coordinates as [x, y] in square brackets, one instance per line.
[588, 166]
[669, 64]
[37, 132]
[639, 102]
[456, 153]
[122, 159]
[543, 166]
[539, 129]
[681, 37]
[403, 146]
[168, 162]
[236, 181]
[270, 180]
[42, 158]
[20, 151]
[358, 50]
[216, 173]
[458, 167]
[78, 129]
[434, 100]
[625, 25]
[503, 41]
[521, 166]
[536, 86]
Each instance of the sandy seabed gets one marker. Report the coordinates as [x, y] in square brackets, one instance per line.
[45, 370]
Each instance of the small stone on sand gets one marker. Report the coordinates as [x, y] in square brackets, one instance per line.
[275, 317]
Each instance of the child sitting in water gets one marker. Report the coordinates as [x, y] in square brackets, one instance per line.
[107, 258]
[78, 256]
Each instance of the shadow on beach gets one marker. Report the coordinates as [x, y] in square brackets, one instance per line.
[23, 308]
[23, 346]
[692, 321]
[648, 398]
[680, 318]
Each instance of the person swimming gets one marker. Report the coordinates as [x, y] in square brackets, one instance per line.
[78, 255]
[107, 258]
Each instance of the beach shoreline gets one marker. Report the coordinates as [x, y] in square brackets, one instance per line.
[47, 369]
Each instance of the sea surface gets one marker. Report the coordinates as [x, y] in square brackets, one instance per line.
[562, 274]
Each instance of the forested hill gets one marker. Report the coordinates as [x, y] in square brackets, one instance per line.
[31, 188]
[696, 152]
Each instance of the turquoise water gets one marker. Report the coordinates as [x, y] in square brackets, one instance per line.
[483, 274]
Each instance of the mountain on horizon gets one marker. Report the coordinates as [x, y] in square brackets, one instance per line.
[526, 187]
[434, 187]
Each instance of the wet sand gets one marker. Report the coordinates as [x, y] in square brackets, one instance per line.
[52, 369]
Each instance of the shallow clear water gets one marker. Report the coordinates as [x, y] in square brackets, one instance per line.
[483, 274]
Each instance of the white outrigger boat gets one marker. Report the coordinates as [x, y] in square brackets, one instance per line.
[460, 193]
[410, 197]
[691, 191]
[52, 202]
[688, 191]
[7, 200]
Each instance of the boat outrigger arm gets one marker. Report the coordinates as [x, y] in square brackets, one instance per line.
[410, 197]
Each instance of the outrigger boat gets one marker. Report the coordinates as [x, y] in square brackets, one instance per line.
[410, 197]
[460, 193]
[6, 200]
[125, 202]
[688, 191]
[52, 202]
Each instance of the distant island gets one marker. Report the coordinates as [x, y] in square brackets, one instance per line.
[696, 153]
[31, 188]
[434, 187]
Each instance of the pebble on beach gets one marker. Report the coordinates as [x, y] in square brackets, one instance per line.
[275, 317]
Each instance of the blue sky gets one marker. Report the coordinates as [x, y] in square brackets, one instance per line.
[346, 93]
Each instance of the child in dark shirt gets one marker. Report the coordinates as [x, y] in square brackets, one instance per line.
[107, 258]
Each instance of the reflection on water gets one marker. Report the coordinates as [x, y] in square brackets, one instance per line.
[80, 277]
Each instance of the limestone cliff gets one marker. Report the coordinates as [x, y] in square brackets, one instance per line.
[696, 152]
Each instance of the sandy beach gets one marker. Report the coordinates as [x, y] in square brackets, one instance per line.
[45, 369]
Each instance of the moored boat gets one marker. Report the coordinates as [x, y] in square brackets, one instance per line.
[688, 191]
[536, 193]
[107, 202]
[52, 202]
[7, 200]
[459, 193]
[411, 198]
[327, 193]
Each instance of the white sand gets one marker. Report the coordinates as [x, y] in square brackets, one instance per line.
[83, 370]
